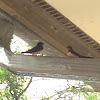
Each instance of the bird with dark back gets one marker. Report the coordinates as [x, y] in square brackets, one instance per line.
[35, 50]
[74, 54]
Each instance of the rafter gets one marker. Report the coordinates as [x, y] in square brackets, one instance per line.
[56, 67]
[37, 16]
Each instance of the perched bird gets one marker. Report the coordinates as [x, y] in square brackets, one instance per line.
[74, 54]
[36, 50]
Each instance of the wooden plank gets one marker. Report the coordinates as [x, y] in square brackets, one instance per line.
[56, 67]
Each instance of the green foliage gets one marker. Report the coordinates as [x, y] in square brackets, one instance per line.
[92, 97]
[17, 51]
[80, 90]
[13, 86]
[3, 74]
[46, 98]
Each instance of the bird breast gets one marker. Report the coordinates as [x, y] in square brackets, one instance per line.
[71, 55]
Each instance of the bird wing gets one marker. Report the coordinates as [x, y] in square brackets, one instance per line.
[35, 49]
[77, 54]
[74, 52]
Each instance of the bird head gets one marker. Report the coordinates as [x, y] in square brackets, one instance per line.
[69, 47]
[40, 43]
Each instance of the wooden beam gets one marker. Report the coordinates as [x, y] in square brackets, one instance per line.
[37, 19]
[52, 67]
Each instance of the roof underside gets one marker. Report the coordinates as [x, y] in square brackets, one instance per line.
[51, 25]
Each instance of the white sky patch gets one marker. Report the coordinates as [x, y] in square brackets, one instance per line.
[3, 56]
[18, 43]
[48, 86]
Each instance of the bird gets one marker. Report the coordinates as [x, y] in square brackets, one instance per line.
[74, 54]
[35, 50]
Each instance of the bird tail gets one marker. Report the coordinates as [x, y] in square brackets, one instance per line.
[24, 52]
[85, 57]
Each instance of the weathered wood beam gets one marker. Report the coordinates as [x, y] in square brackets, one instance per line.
[52, 67]
[50, 29]
[32, 17]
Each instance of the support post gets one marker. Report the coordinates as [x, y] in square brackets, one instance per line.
[6, 32]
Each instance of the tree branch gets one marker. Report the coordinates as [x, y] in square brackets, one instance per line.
[25, 88]
[13, 95]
